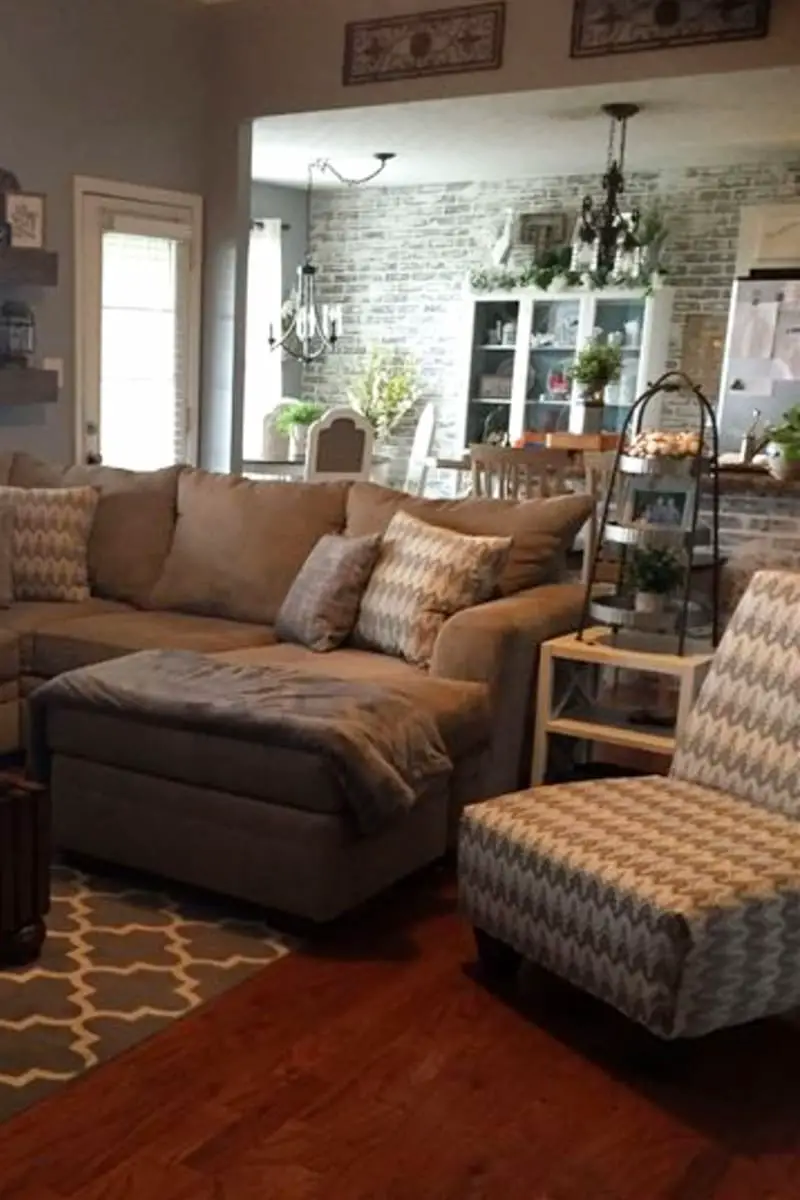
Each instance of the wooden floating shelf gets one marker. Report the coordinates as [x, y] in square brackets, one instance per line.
[27, 385]
[31, 268]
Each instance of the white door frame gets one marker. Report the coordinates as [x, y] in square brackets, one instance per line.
[86, 185]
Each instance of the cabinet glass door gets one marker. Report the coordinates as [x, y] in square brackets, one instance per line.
[554, 339]
[492, 370]
[621, 322]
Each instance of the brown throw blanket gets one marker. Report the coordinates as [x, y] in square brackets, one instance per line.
[383, 749]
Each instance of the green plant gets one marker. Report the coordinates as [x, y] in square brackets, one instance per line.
[597, 365]
[656, 569]
[301, 412]
[386, 390]
[787, 434]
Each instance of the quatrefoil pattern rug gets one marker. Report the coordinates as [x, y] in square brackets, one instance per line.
[120, 963]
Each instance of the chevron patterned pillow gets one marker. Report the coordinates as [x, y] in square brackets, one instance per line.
[49, 542]
[423, 576]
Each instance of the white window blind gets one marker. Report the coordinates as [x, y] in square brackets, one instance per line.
[144, 351]
[263, 374]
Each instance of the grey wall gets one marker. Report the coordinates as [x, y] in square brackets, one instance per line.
[397, 260]
[110, 88]
[289, 206]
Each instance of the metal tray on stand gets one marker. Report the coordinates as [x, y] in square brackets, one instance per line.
[619, 612]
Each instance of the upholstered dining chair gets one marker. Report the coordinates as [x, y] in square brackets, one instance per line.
[339, 447]
[419, 460]
[509, 474]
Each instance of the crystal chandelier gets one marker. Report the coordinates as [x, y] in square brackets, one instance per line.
[308, 328]
[606, 239]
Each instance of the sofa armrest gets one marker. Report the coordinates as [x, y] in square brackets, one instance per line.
[498, 644]
[484, 643]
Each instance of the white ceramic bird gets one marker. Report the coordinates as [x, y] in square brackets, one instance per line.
[501, 250]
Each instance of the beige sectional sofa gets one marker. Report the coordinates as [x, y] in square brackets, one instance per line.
[183, 559]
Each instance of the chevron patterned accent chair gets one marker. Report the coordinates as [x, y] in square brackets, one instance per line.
[676, 900]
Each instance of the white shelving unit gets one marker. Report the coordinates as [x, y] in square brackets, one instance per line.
[518, 346]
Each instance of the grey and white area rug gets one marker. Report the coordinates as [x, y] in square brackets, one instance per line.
[120, 962]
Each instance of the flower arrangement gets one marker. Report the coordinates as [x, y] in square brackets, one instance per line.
[664, 443]
[386, 390]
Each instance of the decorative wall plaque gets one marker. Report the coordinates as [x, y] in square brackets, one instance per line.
[604, 27]
[444, 42]
[702, 351]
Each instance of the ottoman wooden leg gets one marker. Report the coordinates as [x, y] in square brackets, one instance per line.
[498, 961]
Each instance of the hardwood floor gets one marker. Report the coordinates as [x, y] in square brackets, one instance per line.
[377, 1066]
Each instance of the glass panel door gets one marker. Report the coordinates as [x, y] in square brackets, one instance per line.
[621, 322]
[554, 339]
[491, 381]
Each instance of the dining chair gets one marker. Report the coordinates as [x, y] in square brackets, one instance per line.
[419, 460]
[510, 474]
[339, 447]
[598, 469]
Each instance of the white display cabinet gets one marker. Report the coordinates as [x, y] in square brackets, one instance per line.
[519, 346]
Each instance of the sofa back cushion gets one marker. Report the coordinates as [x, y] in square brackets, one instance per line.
[540, 530]
[239, 544]
[133, 524]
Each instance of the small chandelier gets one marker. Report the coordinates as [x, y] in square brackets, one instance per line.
[309, 329]
[606, 239]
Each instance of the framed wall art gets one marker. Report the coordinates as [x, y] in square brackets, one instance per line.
[23, 213]
[626, 25]
[542, 230]
[441, 42]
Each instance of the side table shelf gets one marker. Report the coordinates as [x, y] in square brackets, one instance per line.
[588, 721]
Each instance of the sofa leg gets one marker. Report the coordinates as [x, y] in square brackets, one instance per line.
[498, 961]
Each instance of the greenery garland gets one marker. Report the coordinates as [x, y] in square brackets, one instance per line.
[553, 265]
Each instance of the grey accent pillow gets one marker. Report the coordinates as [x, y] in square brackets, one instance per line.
[321, 608]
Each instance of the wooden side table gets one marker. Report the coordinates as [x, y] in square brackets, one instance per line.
[573, 711]
[24, 869]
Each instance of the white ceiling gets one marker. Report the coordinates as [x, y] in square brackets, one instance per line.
[706, 119]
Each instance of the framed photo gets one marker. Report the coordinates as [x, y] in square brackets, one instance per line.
[660, 503]
[23, 212]
[542, 230]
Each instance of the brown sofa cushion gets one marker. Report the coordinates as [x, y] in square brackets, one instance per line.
[540, 530]
[133, 525]
[238, 544]
[80, 642]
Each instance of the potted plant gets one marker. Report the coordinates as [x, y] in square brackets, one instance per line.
[294, 420]
[386, 390]
[596, 366]
[785, 443]
[655, 572]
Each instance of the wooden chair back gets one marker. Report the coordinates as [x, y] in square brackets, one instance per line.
[597, 466]
[509, 474]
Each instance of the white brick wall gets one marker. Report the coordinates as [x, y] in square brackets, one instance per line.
[397, 258]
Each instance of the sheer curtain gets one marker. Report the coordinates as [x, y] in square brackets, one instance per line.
[263, 385]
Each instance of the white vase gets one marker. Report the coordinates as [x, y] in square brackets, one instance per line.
[298, 440]
[649, 602]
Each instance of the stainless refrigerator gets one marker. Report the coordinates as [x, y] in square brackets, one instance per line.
[761, 366]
